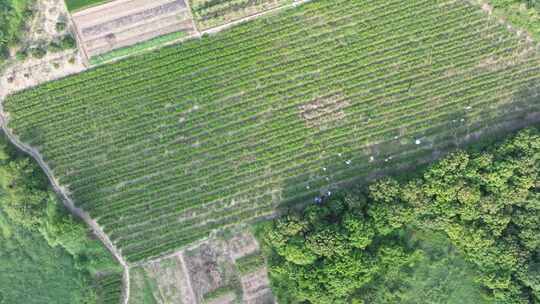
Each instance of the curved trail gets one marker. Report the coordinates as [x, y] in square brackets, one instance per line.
[68, 203]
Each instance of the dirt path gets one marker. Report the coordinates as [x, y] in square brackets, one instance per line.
[188, 287]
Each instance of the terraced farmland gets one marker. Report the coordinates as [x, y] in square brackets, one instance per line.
[163, 148]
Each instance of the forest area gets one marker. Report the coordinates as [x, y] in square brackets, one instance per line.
[464, 231]
[47, 255]
[13, 14]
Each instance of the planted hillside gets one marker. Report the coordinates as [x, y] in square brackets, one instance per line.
[165, 147]
[466, 231]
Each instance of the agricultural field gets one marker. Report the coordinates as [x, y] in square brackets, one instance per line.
[164, 148]
[124, 23]
[221, 270]
[211, 13]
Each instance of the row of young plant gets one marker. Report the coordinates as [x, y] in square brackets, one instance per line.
[210, 13]
[189, 54]
[157, 172]
[146, 123]
[239, 57]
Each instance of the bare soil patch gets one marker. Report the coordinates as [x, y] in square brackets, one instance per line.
[205, 273]
[123, 23]
[210, 267]
[256, 288]
[324, 112]
[40, 32]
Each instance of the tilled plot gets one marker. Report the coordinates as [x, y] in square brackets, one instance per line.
[126, 22]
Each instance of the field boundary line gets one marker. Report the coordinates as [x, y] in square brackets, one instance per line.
[186, 273]
[80, 43]
[68, 202]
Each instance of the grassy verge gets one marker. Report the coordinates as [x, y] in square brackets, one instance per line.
[523, 14]
[77, 5]
[250, 263]
[136, 48]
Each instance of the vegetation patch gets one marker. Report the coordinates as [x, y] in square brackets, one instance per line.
[211, 13]
[13, 13]
[146, 144]
[47, 256]
[522, 14]
[466, 231]
[137, 48]
[250, 263]
[324, 113]
[77, 5]
[224, 294]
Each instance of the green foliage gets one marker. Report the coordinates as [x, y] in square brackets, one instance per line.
[248, 119]
[523, 14]
[136, 48]
[61, 26]
[327, 254]
[250, 263]
[64, 43]
[219, 292]
[12, 16]
[440, 275]
[486, 205]
[32, 272]
[33, 220]
[75, 5]
[38, 52]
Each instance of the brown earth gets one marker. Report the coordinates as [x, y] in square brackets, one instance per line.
[123, 23]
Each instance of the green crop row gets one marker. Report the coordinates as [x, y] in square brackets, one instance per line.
[165, 147]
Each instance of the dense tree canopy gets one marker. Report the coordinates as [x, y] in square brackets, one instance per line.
[12, 15]
[487, 204]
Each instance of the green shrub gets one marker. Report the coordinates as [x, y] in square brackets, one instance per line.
[38, 52]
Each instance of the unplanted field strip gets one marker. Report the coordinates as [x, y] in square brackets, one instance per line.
[139, 36]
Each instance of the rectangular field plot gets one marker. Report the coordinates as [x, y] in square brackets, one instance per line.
[123, 23]
[206, 274]
[164, 148]
[211, 13]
